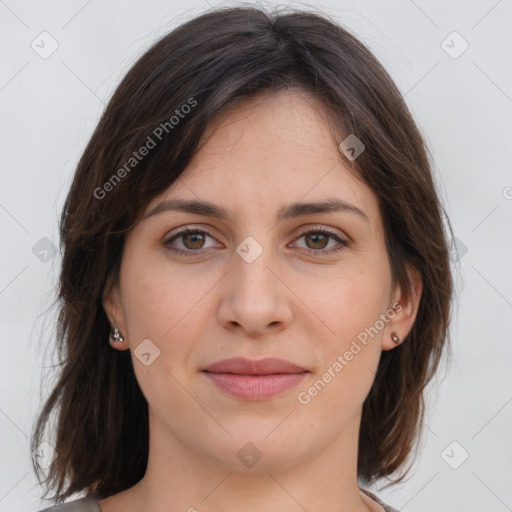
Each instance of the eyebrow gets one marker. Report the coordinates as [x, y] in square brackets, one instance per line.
[290, 211]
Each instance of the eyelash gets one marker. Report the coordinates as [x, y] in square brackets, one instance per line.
[323, 231]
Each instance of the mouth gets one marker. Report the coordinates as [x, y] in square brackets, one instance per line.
[254, 380]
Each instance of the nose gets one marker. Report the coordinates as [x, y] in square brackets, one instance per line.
[255, 297]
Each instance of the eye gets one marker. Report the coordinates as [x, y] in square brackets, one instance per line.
[317, 241]
[191, 239]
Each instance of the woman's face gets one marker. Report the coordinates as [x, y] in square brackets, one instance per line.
[268, 279]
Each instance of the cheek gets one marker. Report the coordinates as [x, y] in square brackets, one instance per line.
[349, 353]
[351, 299]
[157, 299]
[350, 304]
[168, 308]
[165, 308]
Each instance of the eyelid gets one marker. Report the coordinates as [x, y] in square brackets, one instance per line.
[342, 239]
[302, 230]
[321, 227]
[189, 228]
[335, 234]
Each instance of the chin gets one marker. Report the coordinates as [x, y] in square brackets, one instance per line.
[259, 446]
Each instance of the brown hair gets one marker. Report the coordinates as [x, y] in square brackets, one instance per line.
[210, 63]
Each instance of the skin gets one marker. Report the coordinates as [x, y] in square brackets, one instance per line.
[262, 154]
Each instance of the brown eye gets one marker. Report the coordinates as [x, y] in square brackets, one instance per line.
[318, 240]
[189, 241]
[193, 240]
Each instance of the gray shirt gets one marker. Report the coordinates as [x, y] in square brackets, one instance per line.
[90, 504]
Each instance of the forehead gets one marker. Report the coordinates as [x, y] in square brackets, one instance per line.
[278, 126]
[269, 150]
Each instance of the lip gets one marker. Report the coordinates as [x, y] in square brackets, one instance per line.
[266, 366]
[254, 379]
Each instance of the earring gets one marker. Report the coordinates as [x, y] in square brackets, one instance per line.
[395, 338]
[116, 335]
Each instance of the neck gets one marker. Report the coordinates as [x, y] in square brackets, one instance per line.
[180, 479]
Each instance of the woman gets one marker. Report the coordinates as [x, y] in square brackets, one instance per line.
[255, 285]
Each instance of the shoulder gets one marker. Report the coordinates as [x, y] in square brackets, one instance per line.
[386, 507]
[87, 504]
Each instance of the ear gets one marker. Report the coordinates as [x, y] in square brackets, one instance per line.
[403, 309]
[112, 305]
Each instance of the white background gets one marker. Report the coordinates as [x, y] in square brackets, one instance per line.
[49, 108]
